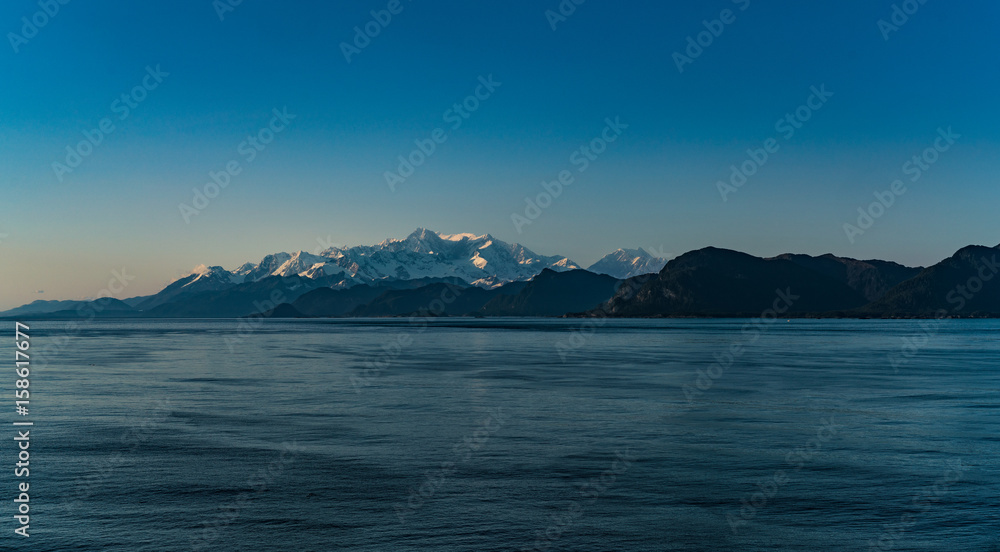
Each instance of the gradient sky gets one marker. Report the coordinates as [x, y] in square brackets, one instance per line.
[322, 178]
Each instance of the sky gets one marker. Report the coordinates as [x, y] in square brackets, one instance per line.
[202, 79]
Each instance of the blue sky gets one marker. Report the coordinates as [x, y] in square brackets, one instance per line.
[322, 178]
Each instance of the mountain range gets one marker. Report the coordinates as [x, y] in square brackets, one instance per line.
[434, 274]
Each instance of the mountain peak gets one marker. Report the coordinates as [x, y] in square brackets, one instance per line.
[422, 233]
[203, 272]
[626, 263]
[639, 253]
[464, 236]
[971, 250]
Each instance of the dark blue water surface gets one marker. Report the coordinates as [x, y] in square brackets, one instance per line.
[478, 435]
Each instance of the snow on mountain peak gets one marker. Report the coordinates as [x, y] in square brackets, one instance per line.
[634, 253]
[460, 237]
[299, 263]
[478, 259]
[626, 263]
[203, 272]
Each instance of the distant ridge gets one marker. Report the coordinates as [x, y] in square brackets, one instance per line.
[718, 282]
[555, 294]
[870, 278]
[482, 276]
[967, 283]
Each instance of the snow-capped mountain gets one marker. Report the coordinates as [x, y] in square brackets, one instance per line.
[305, 264]
[202, 278]
[252, 272]
[479, 260]
[626, 263]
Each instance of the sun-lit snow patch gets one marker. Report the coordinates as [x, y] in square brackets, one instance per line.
[297, 264]
[626, 263]
[487, 283]
[460, 237]
[480, 260]
[204, 271]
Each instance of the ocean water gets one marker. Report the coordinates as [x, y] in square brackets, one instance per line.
[481, 435]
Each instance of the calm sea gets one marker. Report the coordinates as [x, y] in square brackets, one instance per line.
[481, 435]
